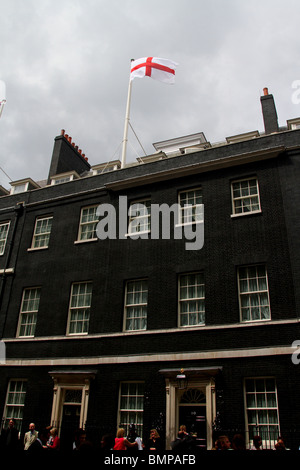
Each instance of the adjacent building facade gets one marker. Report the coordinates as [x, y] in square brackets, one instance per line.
[163, 293]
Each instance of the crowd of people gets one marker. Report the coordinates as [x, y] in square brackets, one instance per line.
[49, 440]
[35, 441]
[238, 443]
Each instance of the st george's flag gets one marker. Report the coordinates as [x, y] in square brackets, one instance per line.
[154, 67]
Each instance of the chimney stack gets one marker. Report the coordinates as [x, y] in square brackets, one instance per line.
[269, 112]
[67, 157]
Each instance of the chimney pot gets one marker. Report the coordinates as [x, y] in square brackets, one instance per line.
[70, 139]
[62, 132]
[266, 91]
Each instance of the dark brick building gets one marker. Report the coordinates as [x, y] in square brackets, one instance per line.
[148, 328]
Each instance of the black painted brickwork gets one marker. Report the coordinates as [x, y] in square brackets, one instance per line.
[271, 237]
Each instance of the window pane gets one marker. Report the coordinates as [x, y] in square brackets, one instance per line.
[136, 305]
[131, 406]
[139, 217]
[88, 223]
[28, 312]
[254, 295]
[245, 197]
[80, 303]
[191, 207]
[192, 299]
[3, 236]
[42, 232]
[251, 402]
[262, 412]
[15, 400]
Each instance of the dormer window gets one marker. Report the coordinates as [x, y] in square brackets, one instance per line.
[293, 123]
[21, 186]
[106, 167]
[176, 145]
[64, 177]
[242, 137]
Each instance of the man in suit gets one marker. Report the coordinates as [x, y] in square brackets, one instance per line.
[30, 436]
[10, 437]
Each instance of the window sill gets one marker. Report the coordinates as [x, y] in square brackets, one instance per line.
[135, 331]
[79, 242]
[38, 248]
[189, 224]
[243, 214]
[258, 322]
[25, 337]
[76, 334]
[137, 234]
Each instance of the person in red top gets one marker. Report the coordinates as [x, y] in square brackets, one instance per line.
[121, 443]
[54, 441]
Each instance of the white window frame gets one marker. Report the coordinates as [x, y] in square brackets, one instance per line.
[199, 299]
[4, 236]
[45, 236]
[262, 411]
[64, 177]
[258, 293]
[130, 412]
[139, 223]
[30, 313]
[14, 407]
[20, 188]
[192, 211]
[139, 306]
[79, 310]
[83, 223]
[65, 381]
[242, 198]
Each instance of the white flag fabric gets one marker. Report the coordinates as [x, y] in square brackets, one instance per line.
[154, 67]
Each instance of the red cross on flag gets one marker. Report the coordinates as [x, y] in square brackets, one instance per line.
[154, 67]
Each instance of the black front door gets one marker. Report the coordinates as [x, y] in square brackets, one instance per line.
[70, 424]
[194, 418]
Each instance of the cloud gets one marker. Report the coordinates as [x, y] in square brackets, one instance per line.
[65, 64]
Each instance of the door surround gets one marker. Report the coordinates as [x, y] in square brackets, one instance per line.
[197, 378]
[70, 380]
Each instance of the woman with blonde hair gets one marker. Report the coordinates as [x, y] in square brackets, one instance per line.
[54, 441]
[154, 442]
[121, 443]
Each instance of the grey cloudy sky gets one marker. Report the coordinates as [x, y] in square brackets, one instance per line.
[65, 64]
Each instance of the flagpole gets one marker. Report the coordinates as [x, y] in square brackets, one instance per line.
[2, 103]
[125, 138]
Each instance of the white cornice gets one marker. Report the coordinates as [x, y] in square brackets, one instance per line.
[156, 357]
[168, 331]
[194, 168]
